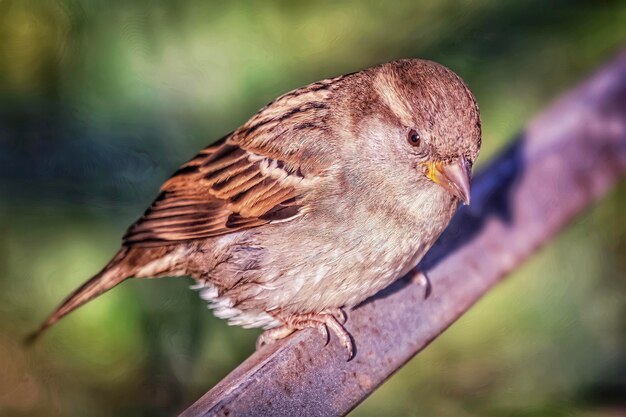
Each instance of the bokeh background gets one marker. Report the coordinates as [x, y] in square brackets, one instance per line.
[101, 100]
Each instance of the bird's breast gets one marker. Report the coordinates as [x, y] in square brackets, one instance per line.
[328, 258]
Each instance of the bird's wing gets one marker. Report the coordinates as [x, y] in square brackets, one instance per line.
[257, 175]
[230, 186]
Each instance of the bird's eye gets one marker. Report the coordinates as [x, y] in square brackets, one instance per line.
[414, 138]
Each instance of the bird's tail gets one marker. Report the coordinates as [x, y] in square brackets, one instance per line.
[114, 273]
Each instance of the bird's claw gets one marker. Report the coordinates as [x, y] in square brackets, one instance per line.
[339, 314]
[272, 335]
[323, 329]
[342, 334]
[420, 277]
[332, 320]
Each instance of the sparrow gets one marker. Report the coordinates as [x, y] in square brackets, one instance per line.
[323, 198]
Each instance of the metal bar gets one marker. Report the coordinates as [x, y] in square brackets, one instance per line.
[565, 160]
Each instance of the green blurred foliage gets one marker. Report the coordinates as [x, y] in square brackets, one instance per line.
[101, 100]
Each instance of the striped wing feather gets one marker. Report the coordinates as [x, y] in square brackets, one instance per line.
[225, 188]
[252, 177]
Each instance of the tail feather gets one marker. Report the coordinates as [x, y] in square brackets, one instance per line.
[112, 274]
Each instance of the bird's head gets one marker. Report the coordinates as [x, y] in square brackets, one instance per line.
[421, 118]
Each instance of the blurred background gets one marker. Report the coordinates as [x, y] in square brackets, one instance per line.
[101, 100]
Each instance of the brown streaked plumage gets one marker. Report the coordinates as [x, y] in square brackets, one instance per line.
[320, 200]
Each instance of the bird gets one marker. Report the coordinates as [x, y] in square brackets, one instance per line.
[321, 199]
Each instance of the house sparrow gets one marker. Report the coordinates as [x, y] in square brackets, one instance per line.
[323, 198]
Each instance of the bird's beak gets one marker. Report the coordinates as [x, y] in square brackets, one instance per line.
[453, 176]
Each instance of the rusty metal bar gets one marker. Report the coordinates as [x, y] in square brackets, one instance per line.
[565, 160]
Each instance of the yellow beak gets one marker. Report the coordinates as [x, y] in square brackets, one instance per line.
[454, 177]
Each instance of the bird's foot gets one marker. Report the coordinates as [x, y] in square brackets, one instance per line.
[420, 277]
[337, 313]
[332, 319]
[270, 336]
